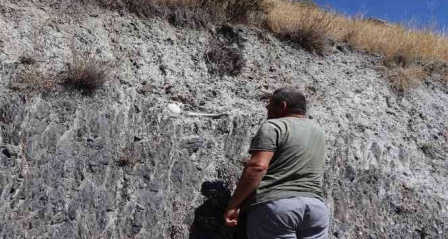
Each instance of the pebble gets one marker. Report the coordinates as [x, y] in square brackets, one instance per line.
[174, 108]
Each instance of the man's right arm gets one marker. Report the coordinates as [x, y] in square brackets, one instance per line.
[254, 171]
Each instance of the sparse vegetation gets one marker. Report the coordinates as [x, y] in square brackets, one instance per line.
[194, 13]
[387, 39]
[395, 40]
[32, 80]
[223, 59]
[403, 79]
[303, 23]
[27, 60]
[86, 74]
[128, 157]
[236, 10]
[311, 26]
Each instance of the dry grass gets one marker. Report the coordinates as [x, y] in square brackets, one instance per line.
[128, 156]
[126, 160]
[438, 69]
[223, 59]
[302, 23]
[404, 79]
[236, 10]
[32, 80]
[192, 13]
[394, 40]
[311, 26]
[307, 25]
[373, 36]
[86, 74]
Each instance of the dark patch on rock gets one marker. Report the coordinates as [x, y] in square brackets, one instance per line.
[338, 233]
[137, 138]
[6, 152]
[194, 144]
[26, 60]
[350, 173]
[208, 221]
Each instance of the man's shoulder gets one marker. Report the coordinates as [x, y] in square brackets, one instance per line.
[278, 123]
[292, 120]
[274, 121]
[287, 122]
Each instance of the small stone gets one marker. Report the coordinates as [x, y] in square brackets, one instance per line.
[6, 152]
[338, 233]
[145, 88]
[194, 144]
[137, 138]
[174, 108]
[10, 150]
[3, 57]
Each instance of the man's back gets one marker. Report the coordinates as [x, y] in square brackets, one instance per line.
[282, 181]
[297, 165]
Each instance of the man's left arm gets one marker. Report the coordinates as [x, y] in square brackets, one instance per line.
[253, 172]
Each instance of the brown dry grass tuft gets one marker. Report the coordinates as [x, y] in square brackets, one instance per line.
[86, 74]
[394, 40]
[302, 23]
[236, 10]
[128, 156]
[223, 59]
[32, 80]
[125, 160]
[404, 79]
[387, 39]
[196, 13]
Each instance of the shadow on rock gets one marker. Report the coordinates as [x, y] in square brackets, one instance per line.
[208, 218]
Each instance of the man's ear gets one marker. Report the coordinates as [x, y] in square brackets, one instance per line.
[283, 105]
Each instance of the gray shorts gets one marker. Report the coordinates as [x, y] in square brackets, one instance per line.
[298, 217]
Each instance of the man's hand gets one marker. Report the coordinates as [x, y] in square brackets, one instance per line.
[231, 217]
[250, 179]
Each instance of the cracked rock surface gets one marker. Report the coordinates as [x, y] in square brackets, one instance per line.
[119, 164]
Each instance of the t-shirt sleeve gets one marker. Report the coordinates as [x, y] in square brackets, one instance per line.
[266, 138]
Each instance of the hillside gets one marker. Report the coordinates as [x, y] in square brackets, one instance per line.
[115, 162]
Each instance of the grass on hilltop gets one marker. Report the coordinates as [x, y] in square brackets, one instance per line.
[305, 24]
[375, 37]
[311, 27]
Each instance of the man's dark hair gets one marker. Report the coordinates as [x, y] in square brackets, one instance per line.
[295, 100]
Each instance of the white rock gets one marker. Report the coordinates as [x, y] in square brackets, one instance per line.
[174, 108]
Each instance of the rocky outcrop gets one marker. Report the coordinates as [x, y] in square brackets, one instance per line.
[119, 164]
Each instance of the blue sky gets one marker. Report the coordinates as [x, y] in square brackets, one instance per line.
[421, 11]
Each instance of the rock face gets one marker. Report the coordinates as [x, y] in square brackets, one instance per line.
[119, 164]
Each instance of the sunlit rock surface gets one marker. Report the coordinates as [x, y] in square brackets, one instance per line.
[120, 164]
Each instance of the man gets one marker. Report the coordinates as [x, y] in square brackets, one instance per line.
[282, 182]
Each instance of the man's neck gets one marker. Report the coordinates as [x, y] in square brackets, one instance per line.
[290, 115]
[296, 116]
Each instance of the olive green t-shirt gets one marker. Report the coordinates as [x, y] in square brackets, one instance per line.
[296, 168]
